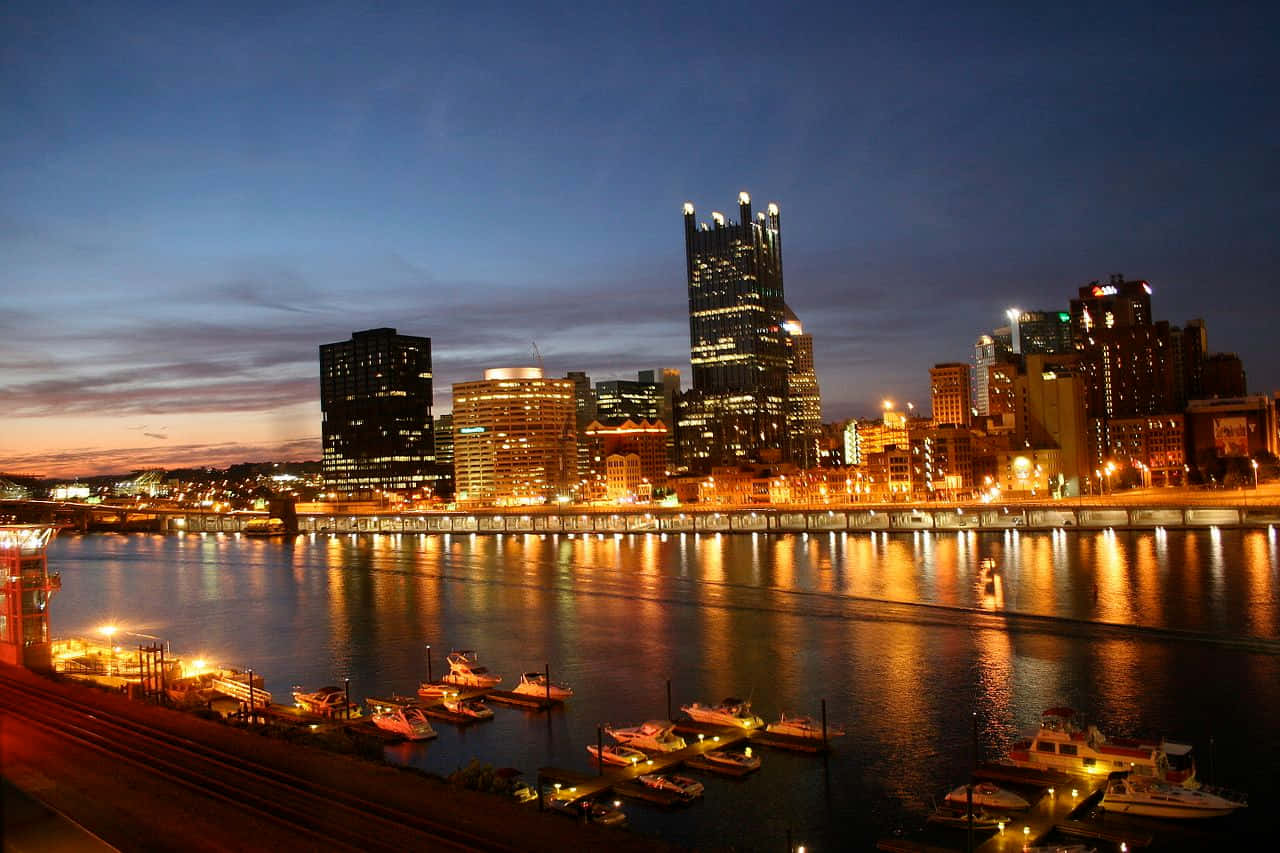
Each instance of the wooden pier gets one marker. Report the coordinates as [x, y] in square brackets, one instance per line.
[522, 700]
[1031, 826]
[701, 762]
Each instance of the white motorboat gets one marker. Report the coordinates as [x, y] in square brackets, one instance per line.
[465, 672]
[1061, 744]
[327, 701]
[651, 736]
[732, 758]
[730, 712]
[989, 796]
[435, 689]
[1060, 848]
[623, 756]
[467, 707]
[806, 727]
[949, 814]
[409, 722]
[1127, 794]
[682, 786]
[535, 684]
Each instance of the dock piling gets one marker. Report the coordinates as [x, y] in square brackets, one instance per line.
[429, 678]
[251, 695]
[546, 674]
[824, 724]
[600, 748]
[346, 682]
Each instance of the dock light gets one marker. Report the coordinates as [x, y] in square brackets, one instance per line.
[747, 752]
[649, 762]
[1074, 793]
[573, 790]
[557, 787]
[716, 738]
[1000, 826]
[617, 803]
[1124, 848]
[314, 727]
[700, 737]
[1051, 792]
[633, 761]
[1026, 832]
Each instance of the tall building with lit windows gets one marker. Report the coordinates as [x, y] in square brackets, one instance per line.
[514, 438]
[375, 399]
[949, 391]
[737, 407]
[1127, 359]
[804, 400]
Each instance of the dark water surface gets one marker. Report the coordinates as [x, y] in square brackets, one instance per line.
[1158, 631]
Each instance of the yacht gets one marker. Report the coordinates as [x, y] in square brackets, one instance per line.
[467, 707]
[803, 727]
[949, 814]
[464, 672]
[409, 722]
[327, 701]
[988, 795]
[652, 736]
[731, 758]
[730, 712]
[1127, 794]
[1061, 744]
[535, 684]
[623, 756]
[682, 786]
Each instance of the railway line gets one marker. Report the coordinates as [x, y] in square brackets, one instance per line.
[317, 814]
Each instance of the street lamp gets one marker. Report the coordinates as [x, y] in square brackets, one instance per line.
[1254, 463]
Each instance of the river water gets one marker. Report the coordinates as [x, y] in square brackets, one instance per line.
[1173, 632]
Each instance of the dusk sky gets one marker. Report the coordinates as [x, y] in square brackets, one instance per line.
[194, 197]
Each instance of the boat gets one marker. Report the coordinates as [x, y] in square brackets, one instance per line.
[623, 756]
[730, 712]
[409, 722]
[1127, 794]
[590, 810]
[733, 758]
[535, 684]
[464, 672]
[1061, 744]
[1060, 848]
[264, 527]
[988, 795]
[467, 707]
[949, 814]
[806, 727]
[327, 701]
[436, 689]
[681, 786]
[651, 736]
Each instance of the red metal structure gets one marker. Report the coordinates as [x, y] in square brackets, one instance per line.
[25, 589]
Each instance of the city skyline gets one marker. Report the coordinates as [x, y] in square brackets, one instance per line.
[191, 206]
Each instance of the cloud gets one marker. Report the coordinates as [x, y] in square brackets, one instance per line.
[156, 435]
[91, 461]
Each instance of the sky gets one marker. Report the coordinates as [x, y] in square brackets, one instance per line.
[194, 197]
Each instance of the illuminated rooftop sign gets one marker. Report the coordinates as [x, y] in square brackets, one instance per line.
[1104, 290]
[471, 430]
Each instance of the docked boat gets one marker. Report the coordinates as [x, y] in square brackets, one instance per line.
[436, 689]
[408, 722]
[1060, 848]
[467, 708]
[1127, 794]
[327, 701]
[733, 758]
[623, 756]
[681, 786]
[731, 712]
[651, 736]
[989, 796]
[1061, 744]
[465, 672]
[949, 814]
[535, 684]
[806, 727]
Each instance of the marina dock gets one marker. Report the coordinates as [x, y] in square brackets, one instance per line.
[1045, 814]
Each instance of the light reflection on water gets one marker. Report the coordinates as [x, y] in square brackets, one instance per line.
[788, 620]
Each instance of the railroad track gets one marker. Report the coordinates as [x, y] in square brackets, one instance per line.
[327, 815]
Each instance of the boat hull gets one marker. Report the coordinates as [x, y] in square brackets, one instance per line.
[1170, 810]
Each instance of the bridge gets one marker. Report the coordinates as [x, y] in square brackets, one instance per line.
[1144, 513]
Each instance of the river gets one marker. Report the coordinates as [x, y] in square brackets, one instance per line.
[1176, 632]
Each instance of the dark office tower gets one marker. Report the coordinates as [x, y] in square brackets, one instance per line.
[1223, 377]
[737, 407]
[443, 432]
[1043, 332]
[584, 408]
[1127, 360]
[622, 400]
[375, 395]
[804, 400]
[1117, 304]
[1190, 346]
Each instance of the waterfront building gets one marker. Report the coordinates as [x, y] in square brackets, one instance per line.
[737, 406]
[804, 400]
[644, 440]
[949, 391]
[375, 399]
[1028, 472]
[514, 438]
[1223, 435]
[1152, 446]
[26, 588]
[1051, 414]
[947, 452]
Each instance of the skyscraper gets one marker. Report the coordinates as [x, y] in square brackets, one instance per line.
[514, 439]
[737, 407]
[804, 400]
[375, 395]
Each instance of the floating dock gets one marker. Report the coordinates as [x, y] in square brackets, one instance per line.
[701, 762]
[523, 700]
[640, 791]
